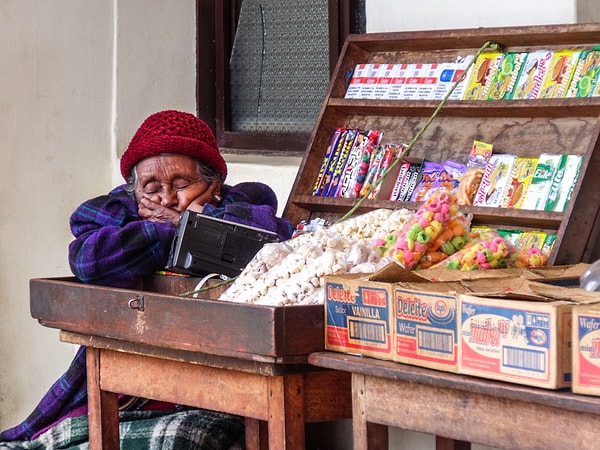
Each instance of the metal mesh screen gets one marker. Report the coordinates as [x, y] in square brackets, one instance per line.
[279, 65]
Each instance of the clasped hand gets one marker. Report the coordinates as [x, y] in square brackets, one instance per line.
[155, 212]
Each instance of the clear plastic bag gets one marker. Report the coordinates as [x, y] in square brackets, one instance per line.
[590, 279]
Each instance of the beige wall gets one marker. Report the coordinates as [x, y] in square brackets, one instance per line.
[77, 77]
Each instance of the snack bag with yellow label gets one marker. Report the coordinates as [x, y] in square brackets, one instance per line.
[522, 173]
[559, 74]
[495, 181]
[481, 76]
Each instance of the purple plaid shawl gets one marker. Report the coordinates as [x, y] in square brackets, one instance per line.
[114, 247]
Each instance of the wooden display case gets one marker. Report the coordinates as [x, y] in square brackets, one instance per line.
[273, 340]
[518, 127]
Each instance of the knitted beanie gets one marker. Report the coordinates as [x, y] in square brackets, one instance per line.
[173, 132]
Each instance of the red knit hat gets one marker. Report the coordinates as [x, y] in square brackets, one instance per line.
[173, 132]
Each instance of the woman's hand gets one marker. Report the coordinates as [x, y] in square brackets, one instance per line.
[155, 212]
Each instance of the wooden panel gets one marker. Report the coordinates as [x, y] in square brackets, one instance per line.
[460, 409]
[188, 384]
[477, 418]
[209, 326]
[327, 396]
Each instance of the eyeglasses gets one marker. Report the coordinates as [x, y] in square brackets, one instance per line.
[157, 188]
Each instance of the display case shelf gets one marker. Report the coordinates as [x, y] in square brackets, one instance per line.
[518, 127]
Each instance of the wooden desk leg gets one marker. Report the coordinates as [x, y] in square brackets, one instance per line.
[286, 412]
[256, 434]
[103, 407]
[366, 435]
[443, 443]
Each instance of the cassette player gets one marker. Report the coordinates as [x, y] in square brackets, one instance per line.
[204, 245]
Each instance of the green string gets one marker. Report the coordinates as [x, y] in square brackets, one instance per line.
[489, 44]
[207, 288]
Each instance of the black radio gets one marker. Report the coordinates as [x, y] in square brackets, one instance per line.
[204, 245]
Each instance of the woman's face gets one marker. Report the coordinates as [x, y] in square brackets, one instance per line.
[172, 181]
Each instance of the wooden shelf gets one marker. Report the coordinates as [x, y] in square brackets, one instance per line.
[545, 220]
[547, 108]
[519, 127]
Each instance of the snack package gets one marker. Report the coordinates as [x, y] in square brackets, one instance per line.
[451, 175]
[495, 181]
[560, 200]
[409, 245]
[559, 74]
[585, 75]
[506, 76]
[520, 178]
[430, 180]
[481, 77]
[463, 69]
[485, 249]
[363, 144]
[541, 183]
[452, 238]
[469, 185]
[529, 84]
[321, 180]
[480, 154]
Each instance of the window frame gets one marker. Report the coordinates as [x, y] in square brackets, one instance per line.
[216, 22]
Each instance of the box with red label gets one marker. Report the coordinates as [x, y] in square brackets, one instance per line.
[518, 331]
[586, 350]
[358, 315]
[425, 324]
[524, 342]
[393, 314]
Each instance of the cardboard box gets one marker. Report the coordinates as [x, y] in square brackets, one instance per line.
[586, 349]
[358, 315]
[393, 314]
[519, 330]
[425, 324]
[508, 338]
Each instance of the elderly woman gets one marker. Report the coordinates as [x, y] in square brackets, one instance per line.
[172, 164]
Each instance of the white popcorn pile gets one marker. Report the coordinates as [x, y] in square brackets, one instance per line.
[292, 272]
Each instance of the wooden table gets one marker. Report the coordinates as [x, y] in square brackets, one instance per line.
[249, 388]
[461, 409]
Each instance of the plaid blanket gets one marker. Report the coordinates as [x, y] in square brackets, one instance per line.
[192, 429]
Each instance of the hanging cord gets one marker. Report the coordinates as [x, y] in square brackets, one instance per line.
[201, 288]
[489, 44]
